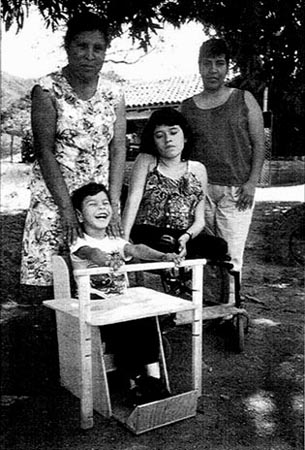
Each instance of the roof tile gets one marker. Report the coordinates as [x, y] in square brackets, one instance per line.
[141, 93]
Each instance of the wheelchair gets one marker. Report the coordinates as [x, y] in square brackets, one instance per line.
[216, 291]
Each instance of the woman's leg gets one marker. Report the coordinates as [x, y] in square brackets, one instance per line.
[230, 224]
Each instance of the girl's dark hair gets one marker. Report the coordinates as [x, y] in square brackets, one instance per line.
[213, 48]
[85, 21]
[90, 189]
[164, 116]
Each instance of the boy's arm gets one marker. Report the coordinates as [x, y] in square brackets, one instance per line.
[142, 251]
[94, 255]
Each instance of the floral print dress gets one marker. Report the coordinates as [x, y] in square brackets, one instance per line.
[84, 130]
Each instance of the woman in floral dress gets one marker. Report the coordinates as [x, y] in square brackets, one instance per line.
[79, 125]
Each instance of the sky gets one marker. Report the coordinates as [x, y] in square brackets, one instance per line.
[36, 51]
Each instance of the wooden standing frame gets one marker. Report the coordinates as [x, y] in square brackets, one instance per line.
[83, 362]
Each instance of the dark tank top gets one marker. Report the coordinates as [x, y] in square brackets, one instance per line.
[221, 139]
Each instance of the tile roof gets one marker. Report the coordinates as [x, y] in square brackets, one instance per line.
[142, 93]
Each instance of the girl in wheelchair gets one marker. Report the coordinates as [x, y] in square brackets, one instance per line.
[165, 203]
[135, 344]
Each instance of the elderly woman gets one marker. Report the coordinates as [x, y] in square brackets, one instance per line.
[167, 191]
[78, 123]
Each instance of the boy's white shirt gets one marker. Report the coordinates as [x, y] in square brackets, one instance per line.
[107, 245]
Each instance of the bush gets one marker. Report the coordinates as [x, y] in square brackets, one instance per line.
[27, 148]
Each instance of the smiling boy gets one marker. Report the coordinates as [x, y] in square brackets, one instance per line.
[94, 213]
[136, 343]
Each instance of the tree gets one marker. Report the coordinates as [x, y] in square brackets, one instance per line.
[266, 37]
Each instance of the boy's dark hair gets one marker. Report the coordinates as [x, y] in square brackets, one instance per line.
[89, 189]
[164, 116]
[85, 21]
[213, 48]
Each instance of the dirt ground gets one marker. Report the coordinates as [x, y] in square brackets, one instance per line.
[252, 400]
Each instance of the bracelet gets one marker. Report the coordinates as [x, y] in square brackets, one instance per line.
[189, 234]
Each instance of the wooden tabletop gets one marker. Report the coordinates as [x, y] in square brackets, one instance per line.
[137, 303]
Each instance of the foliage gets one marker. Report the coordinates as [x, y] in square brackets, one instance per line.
[266, 38]
[16, 118]
[27, 148]
[143, 17]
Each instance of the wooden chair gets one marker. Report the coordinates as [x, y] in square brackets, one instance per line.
[83, 361]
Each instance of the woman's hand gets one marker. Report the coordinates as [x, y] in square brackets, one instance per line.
[114, 228]
[71, 227]
[246, 196]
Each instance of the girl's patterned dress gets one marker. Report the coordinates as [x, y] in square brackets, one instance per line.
[84, 130]
[168, 202]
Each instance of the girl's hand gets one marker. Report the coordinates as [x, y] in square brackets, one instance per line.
[182, 241]
[172, 257]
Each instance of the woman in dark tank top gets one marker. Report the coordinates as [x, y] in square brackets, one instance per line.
[228, 133]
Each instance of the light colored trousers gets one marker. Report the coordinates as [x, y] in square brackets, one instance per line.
[224, 220]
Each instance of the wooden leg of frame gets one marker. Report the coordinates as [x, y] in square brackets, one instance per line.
[197, 329]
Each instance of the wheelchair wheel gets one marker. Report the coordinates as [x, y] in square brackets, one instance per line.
[297, 245]
[216, 281]
[288, 243]
[240, 324]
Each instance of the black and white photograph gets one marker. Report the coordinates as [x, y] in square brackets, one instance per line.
[152, 225]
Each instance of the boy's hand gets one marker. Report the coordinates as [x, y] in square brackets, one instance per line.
[115, 261]
[98, 257]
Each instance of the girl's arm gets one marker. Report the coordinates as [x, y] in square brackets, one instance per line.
[117, 151]
[44, 118]
[199, 222]
[135, 191]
